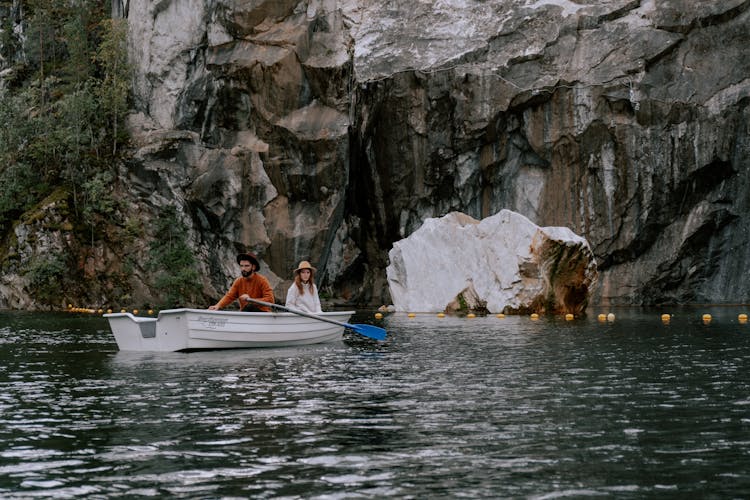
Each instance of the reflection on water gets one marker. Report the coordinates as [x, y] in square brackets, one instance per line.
[447, 407]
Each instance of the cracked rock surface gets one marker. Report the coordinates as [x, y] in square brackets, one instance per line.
[328, 130]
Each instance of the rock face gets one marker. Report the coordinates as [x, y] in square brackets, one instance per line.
[328, 130]
[507, 261]
[617, 119]
[260, 93]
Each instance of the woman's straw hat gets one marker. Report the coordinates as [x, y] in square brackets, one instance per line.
[304, 265]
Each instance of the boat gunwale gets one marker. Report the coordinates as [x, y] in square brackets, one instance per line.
[135, 318]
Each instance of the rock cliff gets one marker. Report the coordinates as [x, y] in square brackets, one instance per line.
[327, 130]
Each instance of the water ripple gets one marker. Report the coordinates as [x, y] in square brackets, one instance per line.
[445, 408]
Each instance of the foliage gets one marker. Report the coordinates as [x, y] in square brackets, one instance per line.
[171, 259]
[112, 57]
[47, 276]
[9, 42]
[97, 195]
[79, 51]
[78, 136]
[63, 118]
[20, 119]
[65, 123]
[17, 190]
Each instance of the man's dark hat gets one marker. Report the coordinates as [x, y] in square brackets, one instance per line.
[251, 257]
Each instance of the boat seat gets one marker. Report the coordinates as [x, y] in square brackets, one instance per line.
[148, 330]
[147, 326]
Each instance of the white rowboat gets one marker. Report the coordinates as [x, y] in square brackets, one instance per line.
[194, 329]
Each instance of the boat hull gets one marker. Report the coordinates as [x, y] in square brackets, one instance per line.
[198, 329]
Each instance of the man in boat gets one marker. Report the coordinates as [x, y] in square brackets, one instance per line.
[250, 285]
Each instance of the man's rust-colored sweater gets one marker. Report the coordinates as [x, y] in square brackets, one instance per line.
[256, 286]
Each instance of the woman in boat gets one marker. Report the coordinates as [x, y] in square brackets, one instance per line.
[303, 294]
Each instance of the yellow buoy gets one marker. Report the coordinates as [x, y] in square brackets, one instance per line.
[151, 311]
[611, 317]
[569, 317]
[109, 311]
[602, 317]
[534, 316]
[135, 311]
[70, 306]
[441, 315]
[742, 318]
[471, 315]
[378, 316]
[122, 310]
[706, 318]
[665, 318]
[411, 315]
[500, 315]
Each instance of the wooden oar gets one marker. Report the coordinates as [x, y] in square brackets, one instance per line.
[370, 331]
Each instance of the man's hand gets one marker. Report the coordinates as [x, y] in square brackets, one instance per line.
[211, 308]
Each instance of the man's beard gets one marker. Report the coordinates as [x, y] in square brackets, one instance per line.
[246, 274]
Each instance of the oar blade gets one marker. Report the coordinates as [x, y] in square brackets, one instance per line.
[370, 331]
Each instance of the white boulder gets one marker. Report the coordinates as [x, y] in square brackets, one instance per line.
[510, 263]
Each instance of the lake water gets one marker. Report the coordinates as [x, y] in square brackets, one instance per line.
[446, 408]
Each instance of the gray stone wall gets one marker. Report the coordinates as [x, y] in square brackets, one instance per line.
[327, 130]
[343, 125]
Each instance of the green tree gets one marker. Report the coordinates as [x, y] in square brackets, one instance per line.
[18, 186]
[115, 83]
[62, 118]
[22, 182]
[9, 41]
[172, 261]
[44, 47]
[14, 109]
[78, 118]
[47, 276]
[77, 43]
[57, 126]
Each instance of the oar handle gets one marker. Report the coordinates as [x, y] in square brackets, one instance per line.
[295, 311]
[370, 331]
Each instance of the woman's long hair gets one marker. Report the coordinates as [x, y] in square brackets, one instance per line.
[298, 281]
